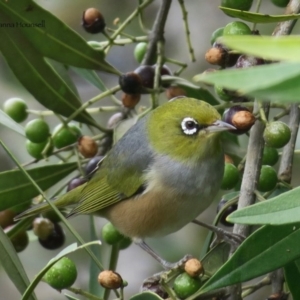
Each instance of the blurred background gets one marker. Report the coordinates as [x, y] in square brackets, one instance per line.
[134, 264]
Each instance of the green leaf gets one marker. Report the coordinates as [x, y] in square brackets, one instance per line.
[258, 255]
[37, 76]
[16, 189]
[292, 278]
[10, 123]
[12, 265]
[275, 82]
[282, 209]
[268, 47]
[146, 296]
[53, 38]
[256, 17]
[71, 248]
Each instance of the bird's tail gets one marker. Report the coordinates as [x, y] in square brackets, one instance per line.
[69, 199]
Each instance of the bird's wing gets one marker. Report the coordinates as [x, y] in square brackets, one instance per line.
[120, 174]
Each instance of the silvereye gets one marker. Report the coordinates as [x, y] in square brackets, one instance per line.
[159, 176]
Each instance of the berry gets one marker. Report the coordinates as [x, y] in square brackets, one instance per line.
[87, 146]
[216, 56]
[236, 28]
[20, 240]
[7, 218]
[230, 178]
[37, 131]
[240, 117]
[185, 286]
[175, 91]
[16, 108]
[270, 156]
[75, 182]
[110, 234]
[51, 215]
[237, 4]
[62, 274]
[280, 3]
[267, 179]
[277, 134]
[146, 73]
[42, 228]
[130, 83]
[37, 150]
[114, 120]
[246, 61]
[228, 159]
[92, 164]
[225, 213]
[216, 34]
[130, 100]
[165, 70]
[65, 135]
[93, 21]
[125, 243]
[140, 51]
[55, 240]
[110, 279]
[193, 267]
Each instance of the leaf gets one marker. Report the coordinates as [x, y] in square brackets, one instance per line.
[71, 248]
[16, 189]
[146, 296]
[268, 47]
[37, 76]
[292, 277]
[275, 82]
[12, 265]
[10, 123]
[258, 255]
[256, 17]
[282, 209]
[53, 38]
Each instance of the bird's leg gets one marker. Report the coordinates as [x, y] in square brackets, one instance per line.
[221, 234]
[166, 265]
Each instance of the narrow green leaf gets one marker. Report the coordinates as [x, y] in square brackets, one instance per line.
[256, 17]
[146, 296]
[12, 265]
[91, 77]
[53, 38]
[10, 123]
[282, 209]
[292, 278]
[268, 47]
[71, 248]
[258, 255]
[15, 188]
[275, 82]
[37, 76]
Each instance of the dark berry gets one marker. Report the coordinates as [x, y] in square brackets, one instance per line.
[20, 240]
[174, 91]
[7, 217]
[247, 61]
[93, 21]
[92, 164]
[75, 182]
[146, 73]
[55, 240]
[130, 100]
[230, 209]
[130, 83]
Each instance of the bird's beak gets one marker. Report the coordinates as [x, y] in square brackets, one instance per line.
[219, 126]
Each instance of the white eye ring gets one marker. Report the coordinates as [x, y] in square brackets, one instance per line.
[189, 126]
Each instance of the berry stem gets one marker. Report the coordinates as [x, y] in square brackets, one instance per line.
[258, 4]
[81, 292]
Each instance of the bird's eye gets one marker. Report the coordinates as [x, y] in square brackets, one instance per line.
[189, 126]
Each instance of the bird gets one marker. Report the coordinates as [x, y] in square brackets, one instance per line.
[164, 171]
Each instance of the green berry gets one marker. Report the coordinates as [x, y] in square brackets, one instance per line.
[37, 131]
[62, 274]
[237, 4]
[16, 109]
[280, 3]
[270, 156]
[216, 34]
[36, 149]
[125, 243]
[185, 285]
[277, 134]
[267, 179]
[111, 235]
[140, 51]
[231, 177]
[65, 135]
[237, 28]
